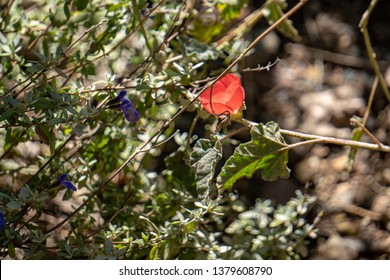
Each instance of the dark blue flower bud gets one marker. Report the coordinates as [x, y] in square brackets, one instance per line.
[2, 221]
[65, 183]
[127, 108]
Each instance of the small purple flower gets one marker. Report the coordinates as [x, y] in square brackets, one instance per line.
[127, 108]
[2, 221]
[65, 183]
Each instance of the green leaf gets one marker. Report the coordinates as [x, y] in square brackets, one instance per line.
[55, 121]
[14, 205]
[59, 18]
[43, 133]
[52, 144]
[357, 133]
[261, 153]
[230, 9]
[182, 173]
[78, 130]
[190, 226]
[6, 115]
[43, 103]
[60, 72]
[274, 11]
[11, 249]
[80, 4]
[153, 254]
[66, 10]
[204, 158]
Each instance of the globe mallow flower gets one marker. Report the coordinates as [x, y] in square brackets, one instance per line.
[65, 183]
[225, 97]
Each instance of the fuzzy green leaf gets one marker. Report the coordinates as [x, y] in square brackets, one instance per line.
[357, 133]
[204, 158]
[261, 153]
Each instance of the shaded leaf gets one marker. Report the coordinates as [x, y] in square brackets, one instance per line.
[182, 173]
[43, 133]
[78, 130]
[261, 153]
[60, 72]
[43, 103]
[6, 115]
[204, 158]
[80, 4]
[14, 205]
[55, 121]
[11, 249]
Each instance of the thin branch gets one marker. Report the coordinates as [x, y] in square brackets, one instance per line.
[370, 100]
[262, 68]
[328, 139]
[296, 145]
[83, 35]
[234, 133]
[156, 145]
[337, 141]
[371, 54]
[191, 130]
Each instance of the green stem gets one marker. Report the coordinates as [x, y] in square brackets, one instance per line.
[371, 54]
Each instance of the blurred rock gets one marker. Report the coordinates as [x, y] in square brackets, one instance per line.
[29, 149]
[339, 248]
[381, 204]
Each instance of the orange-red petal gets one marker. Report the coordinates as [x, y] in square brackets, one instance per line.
[227, 96]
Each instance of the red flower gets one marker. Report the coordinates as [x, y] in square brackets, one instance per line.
[227, 96]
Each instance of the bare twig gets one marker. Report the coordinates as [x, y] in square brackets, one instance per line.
[337, 141]
[327, 139]
[262, 68]
[370, 100]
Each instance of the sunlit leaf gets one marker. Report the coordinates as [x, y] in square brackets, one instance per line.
[261, 153]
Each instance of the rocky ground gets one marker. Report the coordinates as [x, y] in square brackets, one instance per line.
[319, 84]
